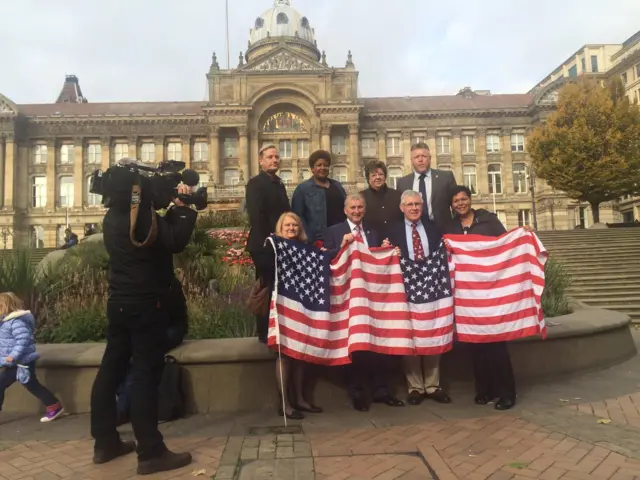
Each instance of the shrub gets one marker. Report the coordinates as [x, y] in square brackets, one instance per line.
[78, 319]
[555, 301]
[223, 219]
[219, 317]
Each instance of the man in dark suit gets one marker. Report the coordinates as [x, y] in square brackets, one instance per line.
[266, 199]
[415, 238]
[434, 185]
[366, 366]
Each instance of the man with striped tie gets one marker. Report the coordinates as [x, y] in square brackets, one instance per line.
[366, 367]
[414, 238]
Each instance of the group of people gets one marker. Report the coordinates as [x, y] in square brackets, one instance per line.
[413, 218]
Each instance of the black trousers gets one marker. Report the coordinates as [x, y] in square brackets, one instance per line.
[33, 386]
[367, 370]
[136, 337]
[263, 261]
[492, 370]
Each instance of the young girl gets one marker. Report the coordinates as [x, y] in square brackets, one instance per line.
[18, 354]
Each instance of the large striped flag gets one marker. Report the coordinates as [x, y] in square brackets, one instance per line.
[365, 300]
[498, 286]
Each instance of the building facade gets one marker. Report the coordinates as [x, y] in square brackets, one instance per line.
[282, 91]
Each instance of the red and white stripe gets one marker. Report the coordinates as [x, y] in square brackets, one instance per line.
[369, 311]
[498, 286]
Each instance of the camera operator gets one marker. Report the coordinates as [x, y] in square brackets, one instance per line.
[140, 277]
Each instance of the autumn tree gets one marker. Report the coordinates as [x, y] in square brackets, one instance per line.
[590, 146]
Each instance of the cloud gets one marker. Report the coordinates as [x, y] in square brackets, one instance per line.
[132, 50]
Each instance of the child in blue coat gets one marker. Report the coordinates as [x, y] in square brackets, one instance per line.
[18, 354]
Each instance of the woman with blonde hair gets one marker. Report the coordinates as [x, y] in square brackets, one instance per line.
[18, 354]
[290, 372]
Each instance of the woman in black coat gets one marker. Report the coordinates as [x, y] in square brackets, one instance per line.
[491, 362]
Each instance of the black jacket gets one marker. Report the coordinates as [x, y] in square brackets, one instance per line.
[484, 223]
[139, 274]
[334, 234]
[266, 200]
[398, 236]
[383, 209]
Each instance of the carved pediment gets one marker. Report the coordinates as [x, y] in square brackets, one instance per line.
[7, 107]
[283, 61]
[549, 98]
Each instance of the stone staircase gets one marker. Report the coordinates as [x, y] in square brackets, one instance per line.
[604, 264]
[37, 254]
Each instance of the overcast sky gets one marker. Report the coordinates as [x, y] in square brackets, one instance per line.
[157, 50]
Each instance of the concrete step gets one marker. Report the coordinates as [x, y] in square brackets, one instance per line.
[597, 294]
[608, 287]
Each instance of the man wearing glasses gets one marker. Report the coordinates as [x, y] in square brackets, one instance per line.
[415, 238]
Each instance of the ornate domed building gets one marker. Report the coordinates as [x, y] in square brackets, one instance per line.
[284, 92]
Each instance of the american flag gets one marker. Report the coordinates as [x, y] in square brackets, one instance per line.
[321, 313]
[430, 294]
[498, 286]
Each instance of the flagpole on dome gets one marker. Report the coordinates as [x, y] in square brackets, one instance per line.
[226, 14]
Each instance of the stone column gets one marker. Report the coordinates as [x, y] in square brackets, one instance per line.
[507, 163]
[314, 143]
[133, 147]
[214, 155]
[354, 153]
[325, 139]
[2, 176]
[253, 154]
[406, 150]
[481, 157]
[52, 186]
[382, 144]
[106, 153]
[294, 159]
[456, 155]
[9, 160]
[431, 143]
[78, 173]
[243, 153]
[186, 150]
[159, 141]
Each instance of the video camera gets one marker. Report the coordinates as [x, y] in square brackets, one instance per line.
[129, 182]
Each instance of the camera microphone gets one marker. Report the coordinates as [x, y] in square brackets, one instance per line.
[132, 162]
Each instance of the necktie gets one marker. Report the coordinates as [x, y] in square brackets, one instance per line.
[422, 186]
[418, 251]
[358, 235]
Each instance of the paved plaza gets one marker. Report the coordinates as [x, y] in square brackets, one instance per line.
[585, 427]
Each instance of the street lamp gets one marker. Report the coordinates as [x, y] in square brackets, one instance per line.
[532, 189]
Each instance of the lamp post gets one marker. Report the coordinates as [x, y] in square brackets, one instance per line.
[532, 189]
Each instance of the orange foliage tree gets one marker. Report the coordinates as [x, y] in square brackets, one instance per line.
[589, 147]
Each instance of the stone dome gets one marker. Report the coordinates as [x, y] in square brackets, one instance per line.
[282, 20]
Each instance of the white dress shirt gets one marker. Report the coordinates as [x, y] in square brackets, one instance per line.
[353, 228]
[427, 184]
[408, 226]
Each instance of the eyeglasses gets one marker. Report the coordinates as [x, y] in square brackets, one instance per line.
[413, 205]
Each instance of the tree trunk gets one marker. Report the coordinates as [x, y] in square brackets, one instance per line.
[595, 209]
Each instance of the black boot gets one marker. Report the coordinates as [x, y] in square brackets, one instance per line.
[165, 462]
[101, 456]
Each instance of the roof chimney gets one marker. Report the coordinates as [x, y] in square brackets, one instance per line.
[71, 91]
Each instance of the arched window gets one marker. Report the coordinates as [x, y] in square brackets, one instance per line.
[304, 22]
[259, 22]
[282, 19]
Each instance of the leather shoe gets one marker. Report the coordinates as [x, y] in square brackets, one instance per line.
[482, 399]
[294, 415]
[360, 404]
[415, 398]
[163, 463]
[103, 456]
[311, 409]
[505, 403]
[439, 396]
[390, 401]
